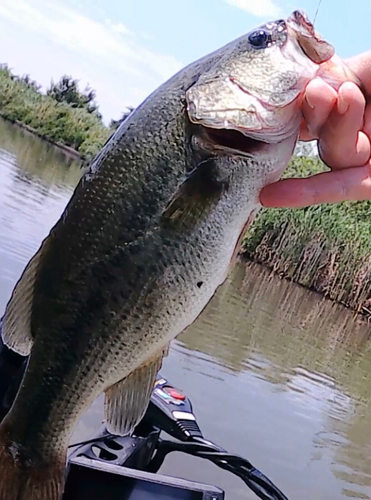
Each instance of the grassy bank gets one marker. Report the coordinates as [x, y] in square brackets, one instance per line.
[326, 248]
[78, 127]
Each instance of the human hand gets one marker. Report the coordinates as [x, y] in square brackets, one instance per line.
[341, 121]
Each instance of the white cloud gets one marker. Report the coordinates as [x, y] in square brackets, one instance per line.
[107, 55]
[258, 8]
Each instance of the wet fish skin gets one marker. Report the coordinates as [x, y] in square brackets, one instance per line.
[143, 244]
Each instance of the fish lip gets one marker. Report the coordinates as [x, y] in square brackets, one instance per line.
[332, 69]
[299, 19]
[312, 44]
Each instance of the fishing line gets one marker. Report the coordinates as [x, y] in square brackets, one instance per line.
[315, 15]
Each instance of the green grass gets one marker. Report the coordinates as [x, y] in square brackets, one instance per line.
[325, 247]
[59, 122]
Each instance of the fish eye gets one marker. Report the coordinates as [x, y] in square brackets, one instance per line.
[259, 39]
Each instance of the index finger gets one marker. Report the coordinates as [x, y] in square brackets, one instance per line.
[319, 100]
[327, 187]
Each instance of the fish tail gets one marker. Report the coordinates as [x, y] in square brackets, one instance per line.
[24, 478]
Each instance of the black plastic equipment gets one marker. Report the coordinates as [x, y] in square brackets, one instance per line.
[89, 479]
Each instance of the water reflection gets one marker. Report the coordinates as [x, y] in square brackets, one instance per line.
[35, 184]
[36, 159]
[275, 373]
[300, 368]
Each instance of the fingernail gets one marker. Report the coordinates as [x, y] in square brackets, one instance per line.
[342, 104]
[307, 98]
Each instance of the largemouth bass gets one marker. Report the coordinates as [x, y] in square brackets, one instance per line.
[147, 237]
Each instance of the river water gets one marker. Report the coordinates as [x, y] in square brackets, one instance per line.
[275, 373]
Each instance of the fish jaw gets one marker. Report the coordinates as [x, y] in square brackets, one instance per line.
[312, 44]
[260, 95]
[332, 68]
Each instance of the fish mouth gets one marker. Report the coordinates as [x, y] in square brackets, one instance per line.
[332, 69]
[301, 20]
[311, 42]
[230, 140]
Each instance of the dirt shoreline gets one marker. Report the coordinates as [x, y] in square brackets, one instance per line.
[363, 311]
[63, 147]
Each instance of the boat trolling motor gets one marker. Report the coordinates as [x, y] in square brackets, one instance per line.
[126, 468]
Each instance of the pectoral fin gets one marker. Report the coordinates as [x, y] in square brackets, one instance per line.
[196, 195]
[127, 401]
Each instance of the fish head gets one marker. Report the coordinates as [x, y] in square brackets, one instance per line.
[257, 84]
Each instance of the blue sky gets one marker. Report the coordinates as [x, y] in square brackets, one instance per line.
[125, 48]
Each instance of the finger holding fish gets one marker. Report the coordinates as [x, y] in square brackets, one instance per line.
[319, 100]
[346, 122]
[350, 184]
[343, 134]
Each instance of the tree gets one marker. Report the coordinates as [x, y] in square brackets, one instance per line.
[26, 79]
[114, 124]
[6, 70]
[67, 90]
